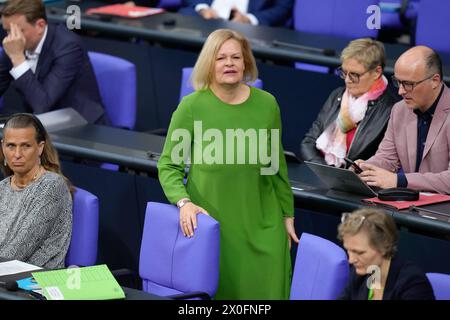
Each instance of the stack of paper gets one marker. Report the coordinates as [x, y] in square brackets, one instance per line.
[16, 266]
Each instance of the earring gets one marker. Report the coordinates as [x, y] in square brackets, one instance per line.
[5, 163]
[40, 163]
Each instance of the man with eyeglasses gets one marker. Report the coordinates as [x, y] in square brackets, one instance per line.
[414, 152]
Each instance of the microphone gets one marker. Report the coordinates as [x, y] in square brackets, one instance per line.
[9, 285]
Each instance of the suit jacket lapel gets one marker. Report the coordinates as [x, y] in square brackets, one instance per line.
[438, 121]
[411, 139]
[392, 278]
[44, 58]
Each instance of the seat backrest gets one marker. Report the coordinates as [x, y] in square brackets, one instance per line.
[116, 80]
[186, 86]
[321, 269]
[441, 285]
[83, 244]
[392, 11]
[432, 24]
[171, 263]
[170, 4]
[345, 18]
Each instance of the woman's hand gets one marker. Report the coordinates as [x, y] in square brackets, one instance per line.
[188, 218]
[290, 229]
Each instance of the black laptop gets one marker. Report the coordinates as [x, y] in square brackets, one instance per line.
[342, 180]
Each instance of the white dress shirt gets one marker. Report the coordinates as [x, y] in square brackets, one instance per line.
[31, 61]
[223, 9]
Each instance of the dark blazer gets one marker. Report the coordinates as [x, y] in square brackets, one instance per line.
[268, 12]
[405, 281]
[64, 78]
[370, 130]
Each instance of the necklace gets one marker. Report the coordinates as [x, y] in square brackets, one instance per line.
[22, 186]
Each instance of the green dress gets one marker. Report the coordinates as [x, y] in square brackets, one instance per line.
[250, 207]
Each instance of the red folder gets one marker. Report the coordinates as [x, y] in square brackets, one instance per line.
[121, 10]
[424, 199]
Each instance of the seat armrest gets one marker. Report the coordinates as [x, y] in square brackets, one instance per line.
[190, 295]
[127, 278]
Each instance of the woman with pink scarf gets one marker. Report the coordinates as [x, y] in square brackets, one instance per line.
[353, 120]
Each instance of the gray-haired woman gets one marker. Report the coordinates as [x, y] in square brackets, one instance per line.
[354, 118]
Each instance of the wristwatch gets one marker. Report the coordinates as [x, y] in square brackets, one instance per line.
[182, 202]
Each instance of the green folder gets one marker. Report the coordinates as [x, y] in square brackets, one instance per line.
[87, 283]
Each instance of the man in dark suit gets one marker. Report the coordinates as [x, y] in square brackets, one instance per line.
[44, 67]
[256, 12]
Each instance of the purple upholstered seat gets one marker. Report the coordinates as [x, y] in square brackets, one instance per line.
[321, 269]
[392, 11]
[116, 79]
[432, 25]
[441, 285]
[83, 244]
[169, 4]
[344, 18]
[173, 264]
[341, 18]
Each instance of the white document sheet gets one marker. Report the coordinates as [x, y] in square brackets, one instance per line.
[15, 266]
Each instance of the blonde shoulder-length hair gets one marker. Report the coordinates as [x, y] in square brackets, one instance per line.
[203, 73]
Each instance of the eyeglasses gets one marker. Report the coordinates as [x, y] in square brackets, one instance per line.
[353, 76]
[356, 220]
[408, 85]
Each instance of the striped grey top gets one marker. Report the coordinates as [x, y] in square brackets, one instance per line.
[36, 222]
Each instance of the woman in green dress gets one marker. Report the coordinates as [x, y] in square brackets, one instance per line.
[230, 135]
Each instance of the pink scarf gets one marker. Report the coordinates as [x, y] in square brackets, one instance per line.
[332, 142]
